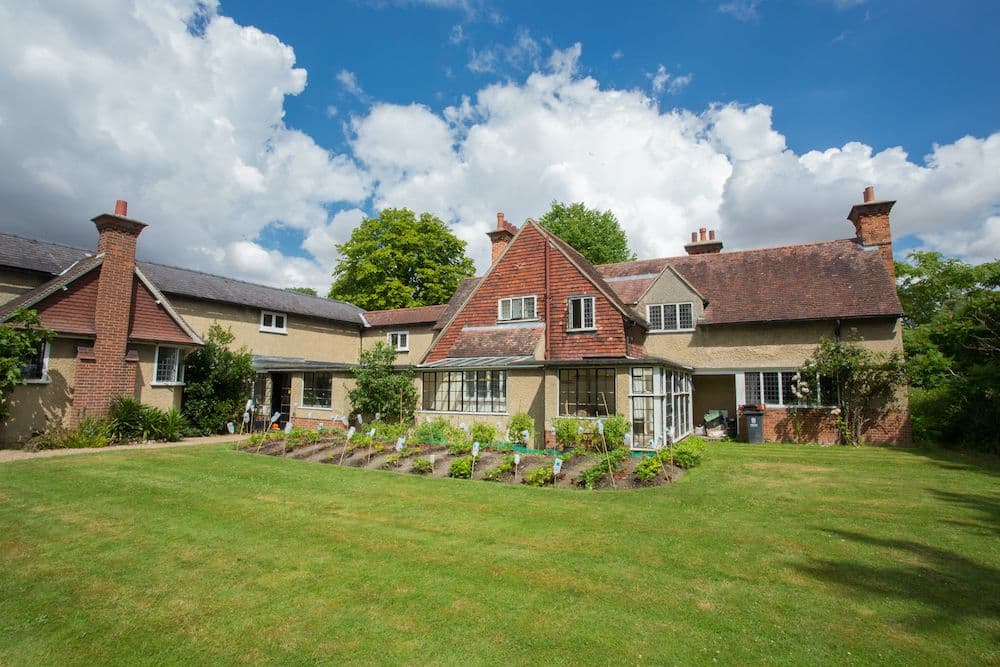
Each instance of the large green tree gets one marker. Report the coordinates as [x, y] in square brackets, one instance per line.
[398, 260]
[381, 388]
[217, 381]
[952, 340]
[19, 339]
[597, 235]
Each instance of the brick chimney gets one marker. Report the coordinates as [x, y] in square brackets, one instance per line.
[109, 367]
[871, 226]
[501, 236]
[703, 242]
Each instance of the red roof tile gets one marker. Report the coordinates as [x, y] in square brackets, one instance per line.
[497, 341]
[391, 317]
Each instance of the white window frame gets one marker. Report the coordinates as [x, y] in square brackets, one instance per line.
[399, 334]
[583, 313]
[814, 386]
[44, 379]
[677, 316]
[283, 329]
[510, 308]
[178, 380]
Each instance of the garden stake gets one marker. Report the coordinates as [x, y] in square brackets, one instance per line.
[607, 454]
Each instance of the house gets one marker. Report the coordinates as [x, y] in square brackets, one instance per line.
[542, 331]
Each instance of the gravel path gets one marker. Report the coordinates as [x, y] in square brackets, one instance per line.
[8, 455]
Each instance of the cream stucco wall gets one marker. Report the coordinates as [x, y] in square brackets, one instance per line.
[164, 397]
[14, 283]
[421, 337]
[308, 338]
[36, 405]
[668, 288]
[774, 345]
[340, 404]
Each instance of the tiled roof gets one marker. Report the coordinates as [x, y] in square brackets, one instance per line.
[32, 297]
[32, 255]
[398, 316]
[457, 299]
[827, 280]
[481, 362]
[501, 340]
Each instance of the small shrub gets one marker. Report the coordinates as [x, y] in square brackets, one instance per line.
[390, 431]
[422, 466]
[648, 469]
[539, 476]
[483, 433]
[175, 425]
[391, 461]
[460, 448]
[615, 429]
[301, 437]
[519, 423]
[89, 433]
[461, 468]
[568, 431]
[594, 475]
[504, 468]
[434, 432]
[687, 453]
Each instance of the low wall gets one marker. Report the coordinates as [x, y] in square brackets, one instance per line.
[820, 426]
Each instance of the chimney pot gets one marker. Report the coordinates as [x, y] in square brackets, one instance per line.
[121, 208]
[869, 194]
[694, 237]
[500, 220]
[701, 234]
[711, 235]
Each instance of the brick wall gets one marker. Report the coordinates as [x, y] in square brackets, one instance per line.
[818, 425]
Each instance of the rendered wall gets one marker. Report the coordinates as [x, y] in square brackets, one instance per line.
[15, 283]
[36, 405]
[421, 337]
[164, 397]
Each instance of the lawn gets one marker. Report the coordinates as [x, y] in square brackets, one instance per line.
[786, 554]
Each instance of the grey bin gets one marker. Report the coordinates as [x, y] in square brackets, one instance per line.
[755, 426]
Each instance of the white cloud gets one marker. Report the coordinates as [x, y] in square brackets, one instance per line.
[679, 83]
[349, 81]
[331, 111]
[523, 54]
[618, 54]
[661, 80]
[741, 10]
[457, 34]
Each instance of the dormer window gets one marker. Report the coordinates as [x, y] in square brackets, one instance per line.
[399, 340]
[271, 322]
[670, 316]
[581, 313]
[516, 308]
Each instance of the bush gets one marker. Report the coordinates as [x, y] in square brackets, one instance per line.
[593, 476]
[217, 381]
[128, 419]
[539, 476]
[483, 433]
[616, 427]
[422, 466]
[460, 448]
[390, 431]
[89, 433]
[438, 432]
[648, 469]
[504, 468]
[568, 431]
[380, 388]
[687, 453]
[519, 423]
[174, 425]
[461, 468]
[391, 461]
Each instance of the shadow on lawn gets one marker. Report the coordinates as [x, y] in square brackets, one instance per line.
[953, 588]
[986, 507]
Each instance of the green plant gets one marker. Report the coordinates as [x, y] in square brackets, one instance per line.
[520, 423]
[460, 448]
[648, 469]
[615, 429]
[390, 431]
[568, 431]
[89, 433]
[686, 454]
[391, 461]
[173, 425]
[501, 470]
[607, 464]
[128, 419]
[461, 468]
[433, 432]
[21, 333]
[422, 466]
[538, 476]
[217, 381]
[382, 388]
[483, 433]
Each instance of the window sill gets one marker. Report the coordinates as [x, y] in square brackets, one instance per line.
[402, 350]
[670, 331]
[456, 412]
[283, 332]
[518, 321]
[166, 384]
[314, 407]
[587, 330]
[44, 380]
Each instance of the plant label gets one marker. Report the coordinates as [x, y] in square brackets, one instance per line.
[231, 427]
[378, 415]
[350, 433]
[556, 466]
[371, 433]
[517, 459]
[433, 458]
[246, 417]
[524, 436]
[464, 427]
[275, 417]
[288, 427]
[475, 449]
[400, 443]
[600, 427]
[343, 420]
[360, 420]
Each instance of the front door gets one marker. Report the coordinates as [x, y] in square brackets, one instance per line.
[281, 396]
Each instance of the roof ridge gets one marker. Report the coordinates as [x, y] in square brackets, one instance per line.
[61, 245]
[728, 252]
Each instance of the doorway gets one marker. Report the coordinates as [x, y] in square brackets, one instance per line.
[281, 397]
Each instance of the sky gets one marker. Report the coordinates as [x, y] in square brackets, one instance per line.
[253, 136]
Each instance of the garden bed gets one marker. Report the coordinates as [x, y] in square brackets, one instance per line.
[494, 463]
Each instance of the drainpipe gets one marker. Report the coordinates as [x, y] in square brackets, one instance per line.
[836, 330]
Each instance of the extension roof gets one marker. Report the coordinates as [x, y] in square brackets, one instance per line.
[393, 317]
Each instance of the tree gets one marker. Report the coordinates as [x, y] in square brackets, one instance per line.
[382, 389]
[865, 384]
[217, 381]
[399, 261]
[302, 290]
[952, 340]
[596, 235]
[20, 336]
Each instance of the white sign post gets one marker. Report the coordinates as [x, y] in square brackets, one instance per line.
[432, 458]
[350, 434]
[556, 468]
[517, 462]
[475, 455]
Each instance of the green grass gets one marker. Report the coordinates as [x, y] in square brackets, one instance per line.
[774, 553]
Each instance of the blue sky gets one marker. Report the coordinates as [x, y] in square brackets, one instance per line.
[253, 136]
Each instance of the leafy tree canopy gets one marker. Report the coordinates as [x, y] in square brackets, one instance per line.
[302, 290]
[380, 388]
[19, 338]
[597, 235]
[217, 381]
[398, 260]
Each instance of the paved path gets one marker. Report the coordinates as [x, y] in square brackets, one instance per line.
[7, 455]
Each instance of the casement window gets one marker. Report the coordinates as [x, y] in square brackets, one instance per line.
[670, 317]
[581, 313]
[399, 340]
[516, 308]
[465, 391]
[36, 366]
[587, 392]
[169, 369]
[776, 388]
[317, 390]
[271, 322]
